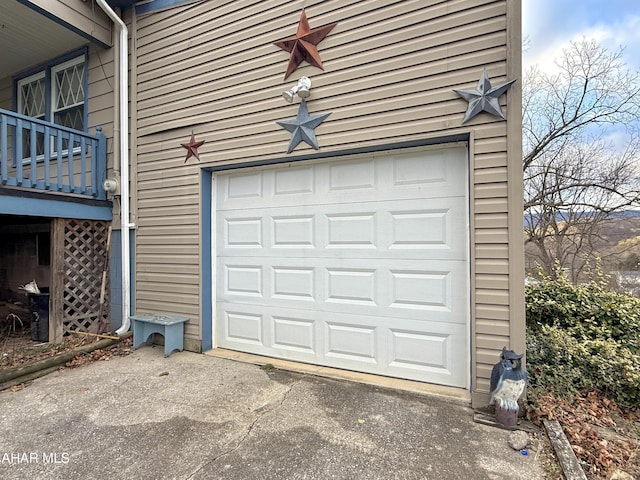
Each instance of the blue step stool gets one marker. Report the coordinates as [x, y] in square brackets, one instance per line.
[171, 327]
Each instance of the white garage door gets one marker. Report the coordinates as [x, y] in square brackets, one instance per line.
[358, 263]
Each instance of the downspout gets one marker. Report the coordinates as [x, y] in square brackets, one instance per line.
[122, 123]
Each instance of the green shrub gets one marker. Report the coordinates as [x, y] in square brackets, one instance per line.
[581, 337]
[551, 364]
[613, 369]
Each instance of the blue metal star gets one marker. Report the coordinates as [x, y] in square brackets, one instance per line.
[484, 98]
[302, 127]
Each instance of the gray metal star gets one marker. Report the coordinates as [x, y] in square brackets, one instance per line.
[302, 127]
[484, 98]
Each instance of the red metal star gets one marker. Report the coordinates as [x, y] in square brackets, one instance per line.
[192, 148]
[303, 44]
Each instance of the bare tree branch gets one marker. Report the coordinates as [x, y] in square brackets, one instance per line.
[575, 175]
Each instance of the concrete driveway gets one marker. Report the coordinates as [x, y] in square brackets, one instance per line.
[193, 416]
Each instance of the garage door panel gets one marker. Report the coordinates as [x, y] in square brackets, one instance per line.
[354, 230]
[291, 231]
[242, 232]
[247, 186]
[419, 349]
[397, 229]
[295, 334]
[243, 280]
[413, 350]
[358, 263]
[421, 290]
[289, 181]
[350, 286]
[286, 332]
[434, 352]
[243, 327]
[348, 341]
[353, 175]
[293, 283]
[435, 290]
[388, 177]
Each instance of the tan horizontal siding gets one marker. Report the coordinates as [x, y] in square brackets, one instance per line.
[164, 216]
[6, 92]
[237, 34]
[160, 279]
[390, 69]
[282, 18]
[164, 202]
[488, 356]
[491, 175]
[493, 296]
[492, 327]
[488, 281]
[410, 54]
[160, 249]
[179, 241]
[164, 182]
[491, 205]
[492, 342]
[491, 190]
[177, 299]
[492, 265]
[164, 268]
[492, 235]
[171, 192]
[484, 374]
[492, 312]
[232, 103]
[165, 231]
[99, 84]
[491, 251]
[101, 100]
[179, 78]
[491, 220]
[489, 160]
[174, 287]
[103, 59]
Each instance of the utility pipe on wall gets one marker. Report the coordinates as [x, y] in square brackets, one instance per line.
[122, 123]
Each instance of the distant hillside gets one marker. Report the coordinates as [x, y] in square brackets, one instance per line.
[618, 243]
[628, 213]
[561, 217]
[620, 229]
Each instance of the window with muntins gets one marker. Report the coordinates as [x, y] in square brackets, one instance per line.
[68, 94]
[55, 94]
[32, 102]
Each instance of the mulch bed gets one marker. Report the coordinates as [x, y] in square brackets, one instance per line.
[18, 353]
[20, 350]
[604, 437]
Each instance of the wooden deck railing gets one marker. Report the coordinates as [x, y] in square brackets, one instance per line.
[58, 159]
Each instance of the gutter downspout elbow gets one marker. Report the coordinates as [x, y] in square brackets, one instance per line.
[124, 162]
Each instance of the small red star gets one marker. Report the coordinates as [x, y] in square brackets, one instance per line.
[192, 148]
[303, 45]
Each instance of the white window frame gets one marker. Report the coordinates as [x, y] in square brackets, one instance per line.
[51, 86]
[54, 84]
[25, 81]
[21, 107]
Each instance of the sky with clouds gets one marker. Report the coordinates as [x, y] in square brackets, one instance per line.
[549, 25]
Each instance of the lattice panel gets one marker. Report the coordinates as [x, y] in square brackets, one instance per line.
[85, 258]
